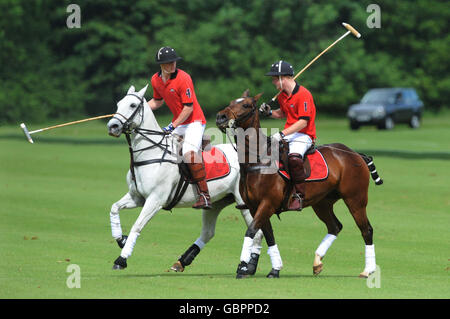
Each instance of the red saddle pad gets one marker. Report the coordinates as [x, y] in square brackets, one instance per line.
[216, 164]
[319, 167]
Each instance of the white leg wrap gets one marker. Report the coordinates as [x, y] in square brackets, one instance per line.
[275, 257]
[129, 245]
[370, 259]
[257, 246]
[256, 249]
[200, 243]
[246, 249]
[116, 228]
[325, 244]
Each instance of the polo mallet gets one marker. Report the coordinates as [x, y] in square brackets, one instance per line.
[28, 133]
[350, 30]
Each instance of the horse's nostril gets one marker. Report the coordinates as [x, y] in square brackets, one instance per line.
[221, 118]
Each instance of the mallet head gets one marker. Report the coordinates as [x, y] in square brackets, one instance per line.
[26, 132]
[352, 30]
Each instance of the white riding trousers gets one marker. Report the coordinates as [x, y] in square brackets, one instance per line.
[193, 134]
[298, 143]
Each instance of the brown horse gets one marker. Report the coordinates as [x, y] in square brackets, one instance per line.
[266, 193]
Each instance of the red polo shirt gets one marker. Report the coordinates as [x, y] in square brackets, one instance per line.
[177, 92]
[299, 105]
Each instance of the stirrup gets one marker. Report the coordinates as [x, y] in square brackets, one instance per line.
[205, 204]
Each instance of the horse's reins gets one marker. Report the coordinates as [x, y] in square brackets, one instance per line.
[144, 133]
[240, 119]
[247, 115]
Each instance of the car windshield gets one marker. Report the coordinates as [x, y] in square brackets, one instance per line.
[379, 96]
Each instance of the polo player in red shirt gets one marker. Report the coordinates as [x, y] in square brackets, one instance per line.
[297, 106]
[175, 87]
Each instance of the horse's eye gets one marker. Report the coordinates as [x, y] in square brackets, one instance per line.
[246, 106]
[133, 105]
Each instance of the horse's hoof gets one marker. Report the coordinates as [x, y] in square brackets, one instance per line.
[242, 276]
[317, 269]
[364, 274]
[120, 263]
[177, 267]
[274, 273]
[122, 241]
[117, 267]
[242, 270]
[252, 264]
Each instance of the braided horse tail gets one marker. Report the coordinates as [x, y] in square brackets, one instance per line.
[372, 168]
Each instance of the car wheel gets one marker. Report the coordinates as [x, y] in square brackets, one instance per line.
[387, 124]
[414, 122]
[354, 126]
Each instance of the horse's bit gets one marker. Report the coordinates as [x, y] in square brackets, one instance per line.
[233, 123]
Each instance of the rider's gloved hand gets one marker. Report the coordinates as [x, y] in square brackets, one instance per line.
[265, 109]
[277, 137]
[168, 129]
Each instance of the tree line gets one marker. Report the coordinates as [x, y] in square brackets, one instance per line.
[49, 70]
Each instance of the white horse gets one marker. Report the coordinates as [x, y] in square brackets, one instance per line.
[155, 183]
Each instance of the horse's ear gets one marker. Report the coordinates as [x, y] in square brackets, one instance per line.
[256, 98]
[246, 93]
[142, 92]
[131, 89]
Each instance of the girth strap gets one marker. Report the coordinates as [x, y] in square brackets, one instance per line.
[179, 192]
[182, 183]
[133, 174]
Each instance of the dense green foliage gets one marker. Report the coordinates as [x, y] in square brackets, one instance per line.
[48, 70]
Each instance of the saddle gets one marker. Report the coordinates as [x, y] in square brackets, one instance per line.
[315, 166]
[216, 163]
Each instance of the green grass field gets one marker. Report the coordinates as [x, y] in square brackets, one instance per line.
[56, 195]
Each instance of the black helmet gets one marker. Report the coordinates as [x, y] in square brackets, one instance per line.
[280, 68]
[166, 55]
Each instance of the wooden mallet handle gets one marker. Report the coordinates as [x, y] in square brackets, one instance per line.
[349, 28]
[70, 123]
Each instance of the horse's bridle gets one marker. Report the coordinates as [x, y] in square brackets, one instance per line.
[126, 125]
[127, 130]
[240, 119]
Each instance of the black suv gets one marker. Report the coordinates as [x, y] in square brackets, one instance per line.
[385, 107]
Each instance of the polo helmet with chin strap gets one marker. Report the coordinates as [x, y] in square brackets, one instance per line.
[280, 68]
[166, 55]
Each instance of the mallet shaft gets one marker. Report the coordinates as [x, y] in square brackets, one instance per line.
[74, 122]
[350, 30]
[321, 53]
